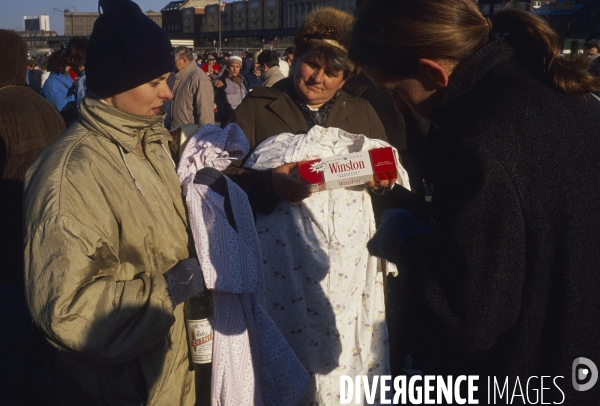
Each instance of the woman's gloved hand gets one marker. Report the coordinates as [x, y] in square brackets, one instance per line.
[286, 187]
[184, 280]
[396, 226]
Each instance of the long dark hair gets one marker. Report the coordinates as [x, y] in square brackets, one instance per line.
[400, 32]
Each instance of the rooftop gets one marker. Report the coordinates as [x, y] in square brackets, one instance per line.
[174, 5]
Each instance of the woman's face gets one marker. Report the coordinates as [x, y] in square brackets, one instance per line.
[234, 68]
[316, 84]
[410, 92]
[144, 100]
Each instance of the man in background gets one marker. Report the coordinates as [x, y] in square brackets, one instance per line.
[269, 64]
[253, 75]
[193, 95]
[247, 60]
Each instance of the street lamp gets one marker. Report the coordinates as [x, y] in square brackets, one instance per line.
[219, 26]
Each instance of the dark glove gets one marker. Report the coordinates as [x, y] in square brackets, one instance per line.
[396, 226]
[184, 280]
[216, 181]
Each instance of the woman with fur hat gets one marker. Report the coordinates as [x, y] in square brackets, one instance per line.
[324, 294]
[108, 259]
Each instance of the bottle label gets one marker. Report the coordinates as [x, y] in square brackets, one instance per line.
[201, 340]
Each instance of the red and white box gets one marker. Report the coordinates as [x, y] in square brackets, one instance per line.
[353, 169]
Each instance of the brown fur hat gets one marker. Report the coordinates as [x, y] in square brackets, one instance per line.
[330, 24]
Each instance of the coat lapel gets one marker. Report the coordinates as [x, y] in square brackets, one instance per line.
[340, 112]
[289, 113]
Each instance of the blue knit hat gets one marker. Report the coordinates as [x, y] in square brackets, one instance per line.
[126, 49]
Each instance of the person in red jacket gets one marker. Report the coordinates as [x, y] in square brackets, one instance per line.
[211, 68]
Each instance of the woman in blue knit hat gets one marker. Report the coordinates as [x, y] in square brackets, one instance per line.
[108, 259]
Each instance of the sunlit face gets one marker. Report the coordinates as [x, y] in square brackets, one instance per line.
[409, 92]
[144, 100]
[234, 68]
[315, 83]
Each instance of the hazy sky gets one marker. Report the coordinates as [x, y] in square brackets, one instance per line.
[12, 11]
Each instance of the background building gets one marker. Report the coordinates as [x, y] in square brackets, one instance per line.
[80, 24]
[294, 11]
[575, 21]
[36, 23]
[39, 42]
[171, 17]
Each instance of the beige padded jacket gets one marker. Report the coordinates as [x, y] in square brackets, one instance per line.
[104, 220]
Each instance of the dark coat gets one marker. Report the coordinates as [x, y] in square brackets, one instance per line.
[28, 124]
[270, 111]
[508, 282]
[251, 79]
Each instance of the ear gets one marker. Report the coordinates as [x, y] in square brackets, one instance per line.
[436, 72]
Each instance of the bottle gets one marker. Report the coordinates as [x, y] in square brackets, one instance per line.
[199, 312]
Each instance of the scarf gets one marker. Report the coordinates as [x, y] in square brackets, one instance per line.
[238, 80]
[313, 117]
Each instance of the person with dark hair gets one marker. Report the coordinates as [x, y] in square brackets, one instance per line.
[76, 48]
[288, 55]
[108, 256]
[34, 76]
[285, 62]
[247, 60]
[327, 291]
[253, 76]
[502, 281]
[193, 96]
[269, 63]
[58, 88]
[28, 124]
[592, 52]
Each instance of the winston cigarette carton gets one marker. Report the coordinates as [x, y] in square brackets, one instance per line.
[347, 170]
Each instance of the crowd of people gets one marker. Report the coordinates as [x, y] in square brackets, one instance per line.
[479, 259]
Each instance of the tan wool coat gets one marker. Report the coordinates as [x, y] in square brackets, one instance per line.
[96, 249]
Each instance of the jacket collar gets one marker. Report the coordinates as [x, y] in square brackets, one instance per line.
[272, 71]
[353, 89]
[470, 73]
[186, 71]
[124, 129]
